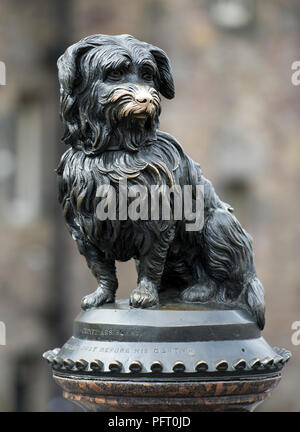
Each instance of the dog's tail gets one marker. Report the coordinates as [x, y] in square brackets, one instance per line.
[254, 297]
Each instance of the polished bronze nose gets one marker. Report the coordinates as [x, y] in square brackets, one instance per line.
[143, 100]
[143, 97]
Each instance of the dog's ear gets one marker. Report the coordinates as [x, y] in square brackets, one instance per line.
[69, 77]
[166, 86]
[67, 65]
[79, 131]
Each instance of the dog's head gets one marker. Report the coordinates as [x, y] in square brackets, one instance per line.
[110, 89]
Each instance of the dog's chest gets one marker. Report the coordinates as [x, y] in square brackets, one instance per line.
[111, 196]
[129, 219]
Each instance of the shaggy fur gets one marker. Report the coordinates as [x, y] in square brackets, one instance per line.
[110, 105]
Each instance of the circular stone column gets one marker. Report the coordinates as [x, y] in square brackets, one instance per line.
[175, 357]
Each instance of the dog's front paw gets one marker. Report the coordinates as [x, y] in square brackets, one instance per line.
[97, 298]
[144, 295]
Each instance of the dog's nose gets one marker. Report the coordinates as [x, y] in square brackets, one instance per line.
[143, 98]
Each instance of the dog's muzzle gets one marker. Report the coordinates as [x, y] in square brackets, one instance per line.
[144, 99]
[134, 100]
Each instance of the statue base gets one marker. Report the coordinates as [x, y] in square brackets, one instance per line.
[113, 395]
[177, 357]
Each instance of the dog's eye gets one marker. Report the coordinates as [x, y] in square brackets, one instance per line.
[147, 75]
[114, 75]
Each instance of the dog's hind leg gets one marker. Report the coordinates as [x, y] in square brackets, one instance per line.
[150, 270]
[203, 289]
[228, 259]
[186, 275]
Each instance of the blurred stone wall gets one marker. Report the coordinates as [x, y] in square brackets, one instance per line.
[236, 112]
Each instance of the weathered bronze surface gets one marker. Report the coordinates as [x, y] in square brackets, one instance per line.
[192, 339]
[110, 105]
[176, 357]
[189, 337]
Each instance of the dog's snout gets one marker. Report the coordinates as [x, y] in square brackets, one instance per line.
[134, 101]
[143, 100]
[143, 97]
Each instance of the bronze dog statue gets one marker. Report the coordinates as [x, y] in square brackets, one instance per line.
[110, 106]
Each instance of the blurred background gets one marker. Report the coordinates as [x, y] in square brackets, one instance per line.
[236, 112]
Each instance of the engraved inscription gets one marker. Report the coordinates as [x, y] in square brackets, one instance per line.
[107, 348]
[87, 331]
